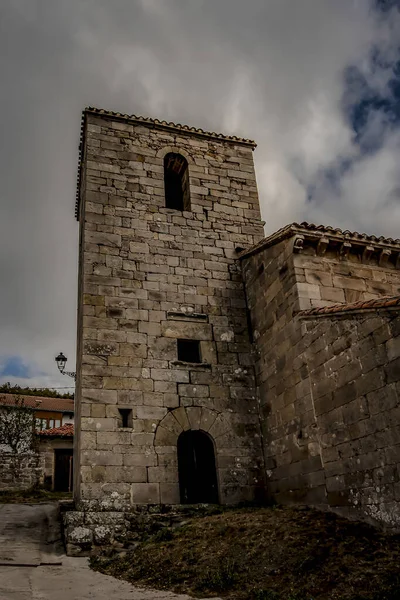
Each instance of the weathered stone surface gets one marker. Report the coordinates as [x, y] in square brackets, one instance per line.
[325, 389]
[328, 386]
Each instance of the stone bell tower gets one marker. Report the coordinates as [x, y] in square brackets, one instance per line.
[166, 401]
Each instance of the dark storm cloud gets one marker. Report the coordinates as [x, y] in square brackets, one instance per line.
[273, 71]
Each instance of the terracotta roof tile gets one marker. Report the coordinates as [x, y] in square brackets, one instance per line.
[167, 125]
[66, 430]
[386, 302]
[40, 402]
[318, 231]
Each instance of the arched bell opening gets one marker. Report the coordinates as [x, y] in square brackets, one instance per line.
[198, 482]
[176, 182]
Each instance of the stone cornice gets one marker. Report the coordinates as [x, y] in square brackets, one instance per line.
[325, 237]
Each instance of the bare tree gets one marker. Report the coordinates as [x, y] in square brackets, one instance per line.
[17, 432]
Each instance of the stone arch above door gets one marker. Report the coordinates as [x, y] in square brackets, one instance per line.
[191, 417]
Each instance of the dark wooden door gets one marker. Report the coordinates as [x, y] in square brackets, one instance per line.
[63, 470]
[197, 471]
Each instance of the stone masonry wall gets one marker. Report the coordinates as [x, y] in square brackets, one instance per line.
[354, 366]
[328, 391]
[148, 276]
[27, 475]
[291, 448]
[332, 278]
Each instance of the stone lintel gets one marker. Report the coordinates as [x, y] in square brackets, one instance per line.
[186, 316]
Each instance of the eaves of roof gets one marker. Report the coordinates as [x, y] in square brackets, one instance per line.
[45, 403]
[66, 430]
[316, 232]
[386, 303]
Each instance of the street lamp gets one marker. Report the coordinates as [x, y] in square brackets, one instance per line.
[61, 361]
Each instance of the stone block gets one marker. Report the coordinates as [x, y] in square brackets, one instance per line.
[351, 283]
[320, 278]
[78, 535]
[186, 330]
[100, 396]
[103, 535]
[207, 419]
[145, 493]
[373, 380]
[98, 410]
[88, 440]
[194, 416]
[147, 459]
[102, 458]
[193, 391]
[220, 426]
[392, 371]
[170, 375]
[98, 424]
[151, 412]
[169, 493]
[180, 415]
[162, 475]
[165, 437]
[393, 348]
[308, 290]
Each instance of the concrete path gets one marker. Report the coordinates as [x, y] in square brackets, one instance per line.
[33, 566]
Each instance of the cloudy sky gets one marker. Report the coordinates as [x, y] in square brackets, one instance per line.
[315, 82]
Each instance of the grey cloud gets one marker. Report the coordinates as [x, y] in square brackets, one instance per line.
[272, 71]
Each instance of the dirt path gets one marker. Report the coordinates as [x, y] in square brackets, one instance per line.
[33, 566]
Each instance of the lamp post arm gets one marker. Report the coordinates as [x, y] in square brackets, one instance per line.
[70, 374]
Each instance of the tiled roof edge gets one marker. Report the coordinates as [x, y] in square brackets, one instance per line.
[317, 231]
[156, 123]
[36, 402]
[66, 430]
[386, 303]
[148, 122]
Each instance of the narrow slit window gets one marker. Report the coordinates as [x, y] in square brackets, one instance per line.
[189, 351]
[176, 182]
[125, 419]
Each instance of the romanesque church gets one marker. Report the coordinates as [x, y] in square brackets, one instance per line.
[216, 365]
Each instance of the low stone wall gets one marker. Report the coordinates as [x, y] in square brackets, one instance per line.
[88, 532]
[24, 474]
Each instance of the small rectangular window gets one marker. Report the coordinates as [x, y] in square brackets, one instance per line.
[189, 351]
[125, 417]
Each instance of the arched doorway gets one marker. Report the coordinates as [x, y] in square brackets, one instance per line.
[197, 471]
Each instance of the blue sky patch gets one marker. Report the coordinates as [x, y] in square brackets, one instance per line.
[14, 366]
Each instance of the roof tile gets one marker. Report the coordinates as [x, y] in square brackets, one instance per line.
[39, 402]
[378, 303]
[66, 430]
[319, 230]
